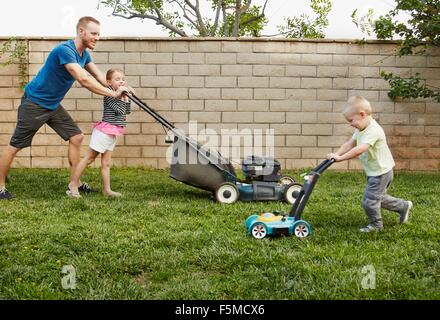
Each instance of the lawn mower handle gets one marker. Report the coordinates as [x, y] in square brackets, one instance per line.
[150, 111]
[168, 125]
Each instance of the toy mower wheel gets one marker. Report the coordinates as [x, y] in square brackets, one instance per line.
[291, 192]
[259, 231]
[301, 229]
[285, 180]
[227, 193]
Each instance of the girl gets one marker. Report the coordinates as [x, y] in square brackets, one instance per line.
[104, 135]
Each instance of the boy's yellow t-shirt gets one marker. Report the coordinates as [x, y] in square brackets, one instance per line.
[378, 159]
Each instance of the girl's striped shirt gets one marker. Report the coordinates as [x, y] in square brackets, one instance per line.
[115, 111]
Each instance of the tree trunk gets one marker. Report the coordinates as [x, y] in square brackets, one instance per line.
[237, 18]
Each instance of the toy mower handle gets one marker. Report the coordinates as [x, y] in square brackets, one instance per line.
[324, 165]
[307, 189]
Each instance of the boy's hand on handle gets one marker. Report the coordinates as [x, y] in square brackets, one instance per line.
[334, 156]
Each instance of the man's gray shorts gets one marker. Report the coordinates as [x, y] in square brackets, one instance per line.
[31, 117]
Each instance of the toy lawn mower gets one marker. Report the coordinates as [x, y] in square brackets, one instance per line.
[200, 167]
[278, 223]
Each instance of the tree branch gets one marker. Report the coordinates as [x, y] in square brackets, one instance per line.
[200, 18]
[185, 11]
[160, 19]
[264, 7]
[225, 21]
[262, 15]
[245, 7]
[191, 21]
[202, 27]
[189, 13]
[136, 15]
[276, 34]
[190, 5]
[251, 19]
[217, 16]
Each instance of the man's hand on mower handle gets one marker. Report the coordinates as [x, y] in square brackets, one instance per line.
[118, 94]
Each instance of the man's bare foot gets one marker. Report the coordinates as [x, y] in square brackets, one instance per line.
[112, 194]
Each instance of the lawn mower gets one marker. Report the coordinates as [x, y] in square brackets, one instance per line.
[278, 223]
[203, 168]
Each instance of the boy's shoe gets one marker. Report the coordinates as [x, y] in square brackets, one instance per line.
[5, 194]
[405, 216]
[370, 228]
[84, 187]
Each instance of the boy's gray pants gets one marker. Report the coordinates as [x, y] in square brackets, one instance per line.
[376, 197]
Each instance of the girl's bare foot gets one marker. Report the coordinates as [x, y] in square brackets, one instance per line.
[112, 194]
[73, 192]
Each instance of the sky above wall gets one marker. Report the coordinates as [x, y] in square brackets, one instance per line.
[58, 18]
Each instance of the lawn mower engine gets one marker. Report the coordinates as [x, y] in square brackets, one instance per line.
[257, 168]
[262, 182]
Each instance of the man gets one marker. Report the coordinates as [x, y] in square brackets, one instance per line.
[40, 103]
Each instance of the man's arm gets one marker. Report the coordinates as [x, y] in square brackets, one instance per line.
[91, 83]
[96, 73]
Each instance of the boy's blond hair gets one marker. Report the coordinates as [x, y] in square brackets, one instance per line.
[356, 104]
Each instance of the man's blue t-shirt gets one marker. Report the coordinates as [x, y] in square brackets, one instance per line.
[53, 80]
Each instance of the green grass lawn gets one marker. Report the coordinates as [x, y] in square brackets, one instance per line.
[166, 240]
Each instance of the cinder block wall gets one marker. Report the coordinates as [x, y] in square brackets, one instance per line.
[296, 88]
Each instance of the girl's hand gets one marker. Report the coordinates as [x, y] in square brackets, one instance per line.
[118, 94]
[131, 90]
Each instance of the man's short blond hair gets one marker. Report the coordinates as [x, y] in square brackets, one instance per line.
[356, 104]
[82, 22]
